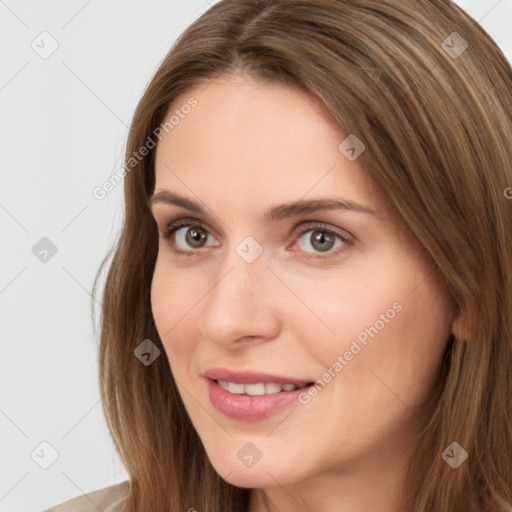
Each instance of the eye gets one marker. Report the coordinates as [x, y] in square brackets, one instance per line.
[194, 235]
[188, 234]
[323, 240]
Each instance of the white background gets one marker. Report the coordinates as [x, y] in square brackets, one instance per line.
[63, 124]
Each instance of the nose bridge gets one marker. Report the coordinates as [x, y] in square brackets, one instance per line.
[240, 302]
[244, 270]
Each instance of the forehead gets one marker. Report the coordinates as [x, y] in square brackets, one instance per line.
[256, 142]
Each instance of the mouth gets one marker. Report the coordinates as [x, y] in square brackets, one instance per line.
[253, 401]
[259, 388]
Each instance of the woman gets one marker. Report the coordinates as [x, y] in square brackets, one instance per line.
[309, 306]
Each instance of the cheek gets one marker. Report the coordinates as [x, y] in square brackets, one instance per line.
[160, 303]
[340, 307]
[420, 336]
[171, 304]
[394, 319]
[402, 330]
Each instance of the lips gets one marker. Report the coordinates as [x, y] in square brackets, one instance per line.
[250, 408]
[238, 395]
[252, 377]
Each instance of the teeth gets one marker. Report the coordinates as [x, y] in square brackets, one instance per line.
[223, 384]
[271, 388]
[267, 388]
[253, 389]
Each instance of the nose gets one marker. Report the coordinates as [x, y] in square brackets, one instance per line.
[242, 304]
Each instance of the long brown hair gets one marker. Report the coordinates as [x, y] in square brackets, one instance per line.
[430, 95]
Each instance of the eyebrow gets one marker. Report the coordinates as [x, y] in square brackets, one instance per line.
[276, 213]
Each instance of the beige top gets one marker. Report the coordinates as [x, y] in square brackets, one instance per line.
[107, 499]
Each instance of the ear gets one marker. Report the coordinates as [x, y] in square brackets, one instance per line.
[460, 327]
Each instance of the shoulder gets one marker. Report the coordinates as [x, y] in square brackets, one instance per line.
[107, 499]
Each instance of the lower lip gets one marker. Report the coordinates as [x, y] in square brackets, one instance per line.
[250, 407]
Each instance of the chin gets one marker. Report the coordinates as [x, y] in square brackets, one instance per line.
[262, 474]
[255, 478]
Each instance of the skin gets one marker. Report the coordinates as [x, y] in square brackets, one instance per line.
[248, 146]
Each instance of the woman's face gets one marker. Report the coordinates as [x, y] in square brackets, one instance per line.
[343, 297]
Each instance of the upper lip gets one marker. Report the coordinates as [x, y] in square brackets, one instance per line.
[251, 377]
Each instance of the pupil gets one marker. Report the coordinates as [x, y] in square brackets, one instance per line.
[194, 236]
[319, 236]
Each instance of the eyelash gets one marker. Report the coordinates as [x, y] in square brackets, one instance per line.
[189, 222]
